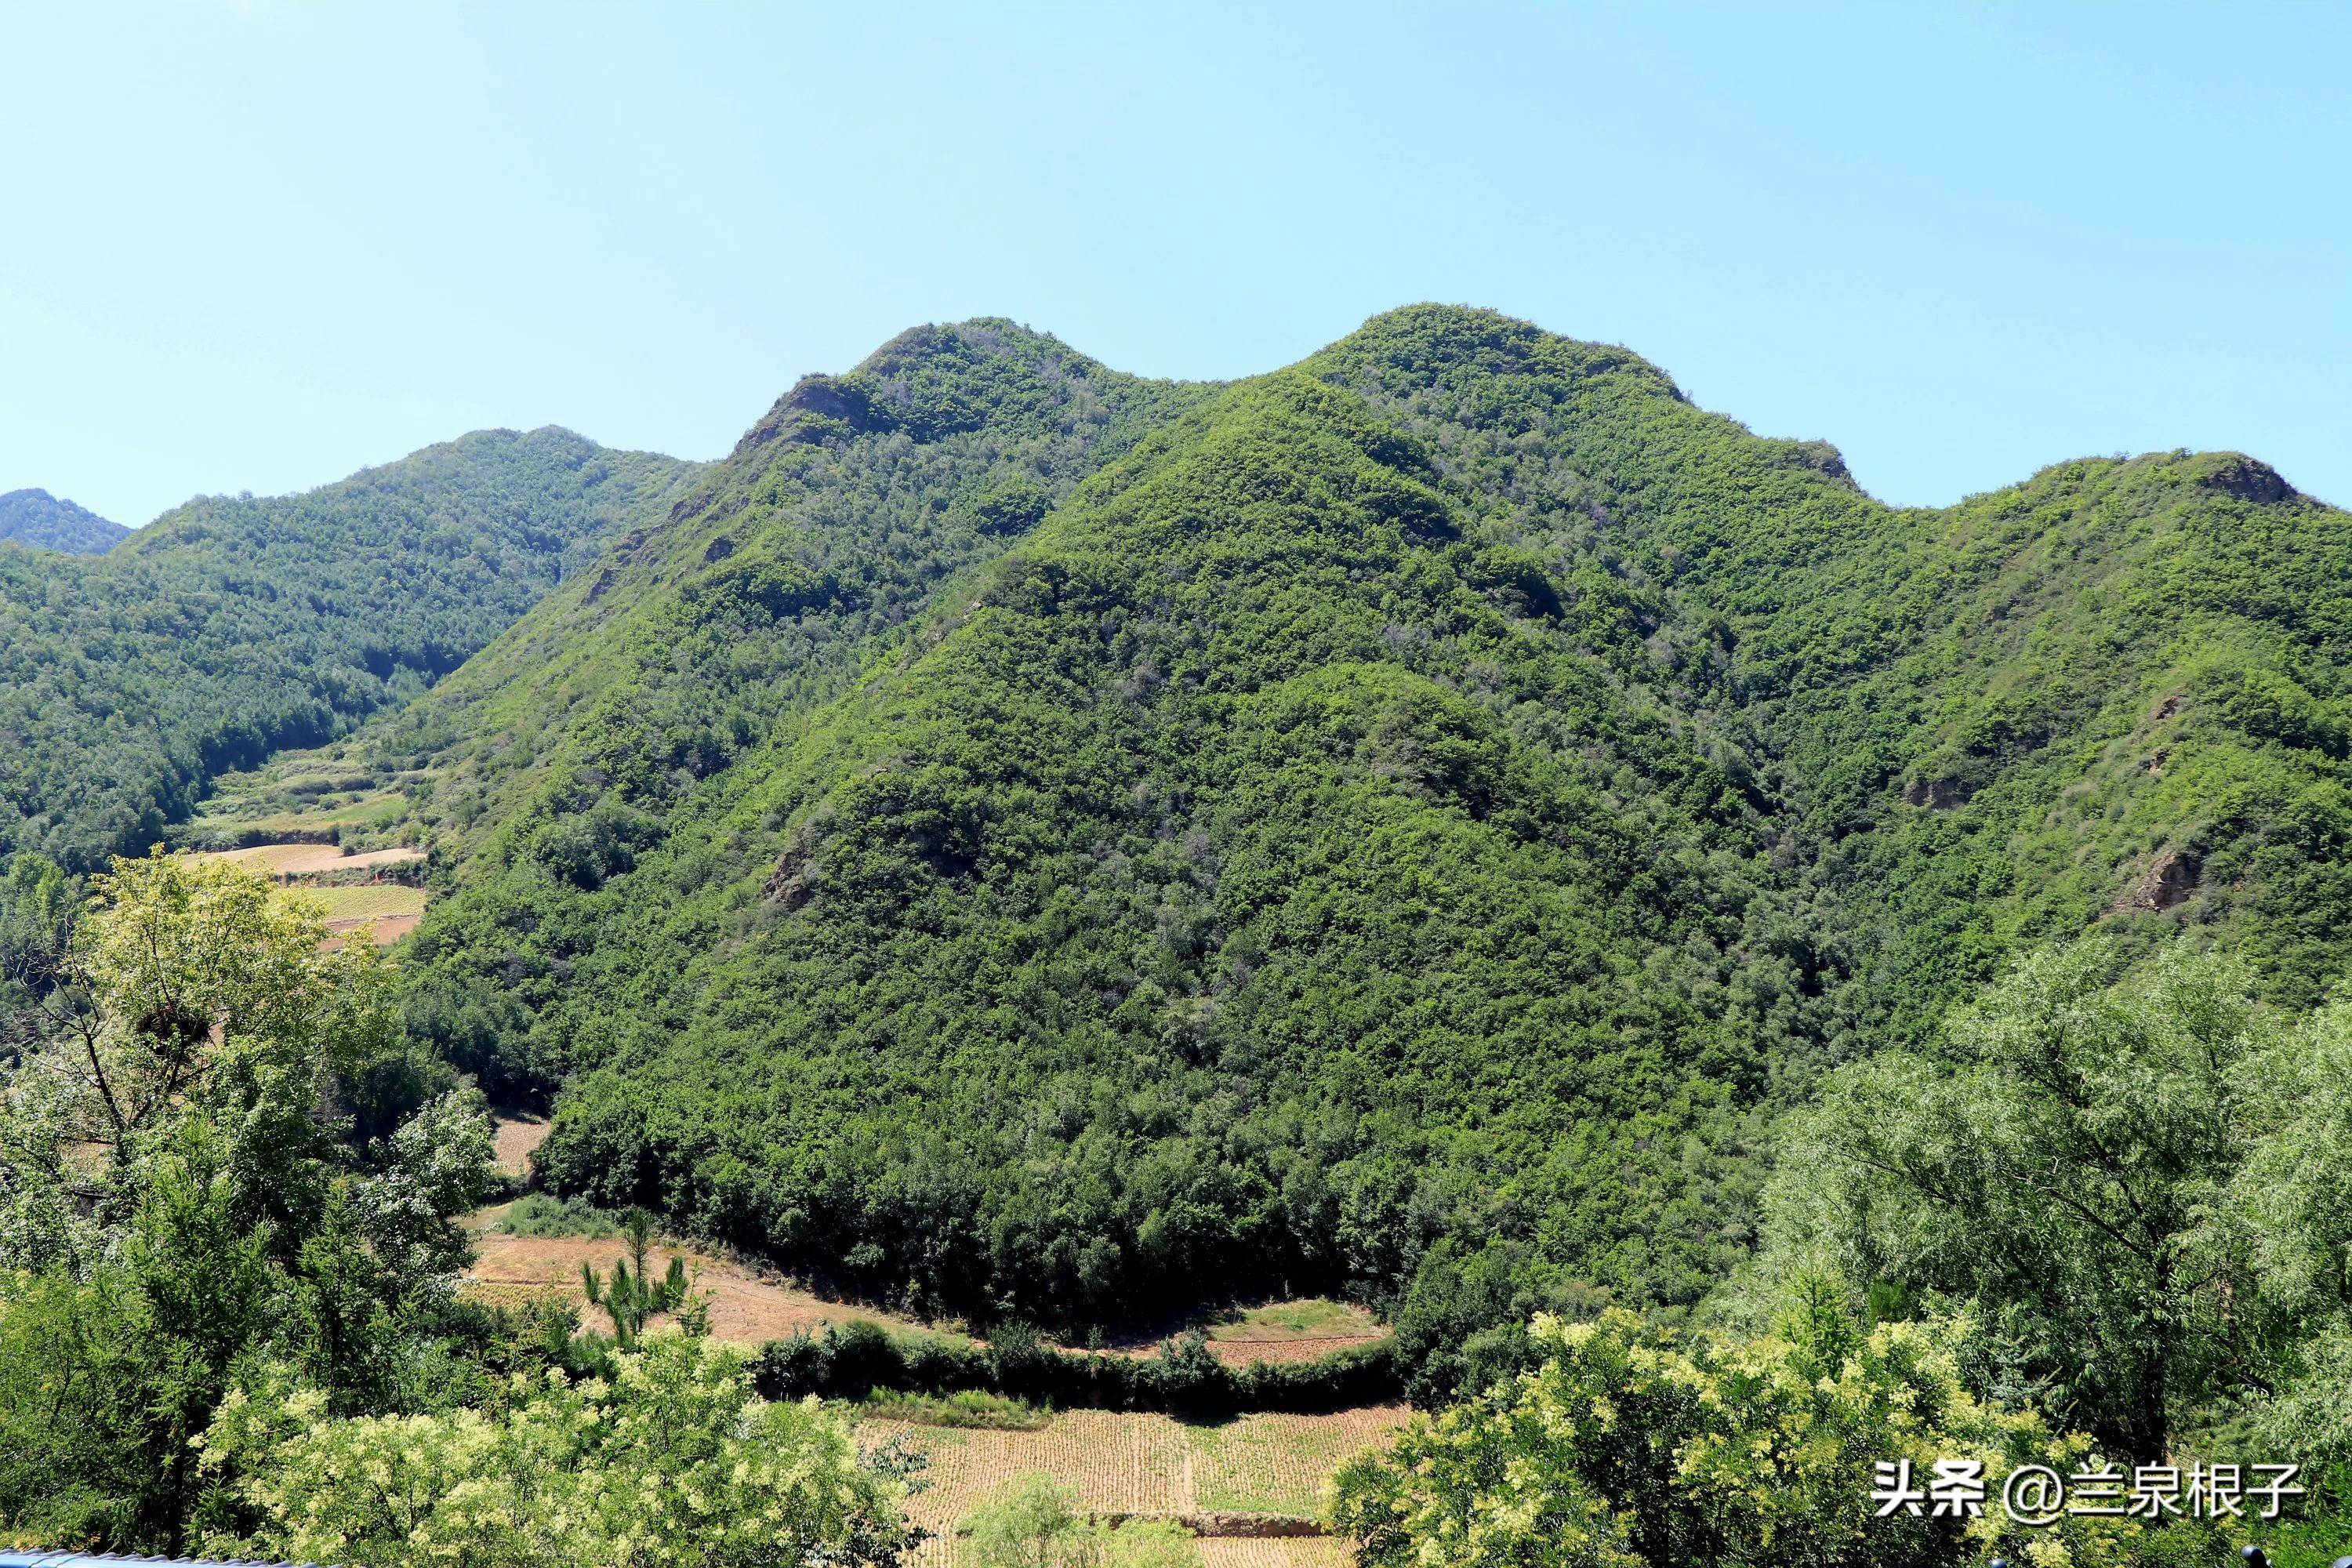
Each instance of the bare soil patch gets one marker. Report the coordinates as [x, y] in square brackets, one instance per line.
[746, 1306]
[514, 1141]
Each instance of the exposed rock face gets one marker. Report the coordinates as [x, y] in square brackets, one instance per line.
[2168, 882]
[1937, 794]
[2248, 480]
[816, 405]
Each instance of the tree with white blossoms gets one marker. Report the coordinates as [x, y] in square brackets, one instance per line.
[1634, 1447]
[672, 1460]
[182, 1201]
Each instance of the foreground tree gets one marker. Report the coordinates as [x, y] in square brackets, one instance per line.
[2069, 1167]
[1631, 1448]
[181, 1205]
[671, 1459]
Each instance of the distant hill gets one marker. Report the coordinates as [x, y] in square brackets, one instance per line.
[230, 627]
[1022, 840]
[39, 518]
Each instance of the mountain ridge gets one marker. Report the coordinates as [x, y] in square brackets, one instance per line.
[1014, 840]
[37, 518]
[233, 626]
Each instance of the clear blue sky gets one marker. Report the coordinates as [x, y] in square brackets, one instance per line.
[257, 246]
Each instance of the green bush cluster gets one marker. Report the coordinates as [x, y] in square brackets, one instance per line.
[854, 1360]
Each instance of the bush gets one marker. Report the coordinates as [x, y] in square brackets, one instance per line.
[853, 1361]
[1034, 1523]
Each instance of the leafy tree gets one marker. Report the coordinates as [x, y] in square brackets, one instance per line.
[1633, 1448]
[177, 1213]
[670, 1459]
[1036, 1524]
[2070, 1169]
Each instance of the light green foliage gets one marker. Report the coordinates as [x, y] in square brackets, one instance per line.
[1035, 1523]
[1632, 1447]
[2136, 1184]
[2069, 1168]
[672, 1460]
[233, 626]
[37, 903]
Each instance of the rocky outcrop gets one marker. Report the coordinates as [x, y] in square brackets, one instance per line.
[2167, 882]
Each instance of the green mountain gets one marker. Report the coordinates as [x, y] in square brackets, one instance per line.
[1027, 841]
[230, 627]
[39, 518]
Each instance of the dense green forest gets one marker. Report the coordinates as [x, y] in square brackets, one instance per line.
[1749, 981]
[233, 626]
[40, 520]
[1405, 825]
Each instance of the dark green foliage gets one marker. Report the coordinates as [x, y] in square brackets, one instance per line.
[1401, 829]
[629, 1296]
[38, 518]
[231, 626]
[853, 1359]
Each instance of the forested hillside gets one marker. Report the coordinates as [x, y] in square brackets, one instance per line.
[39, 518]
[233, 626]
[1404, 826]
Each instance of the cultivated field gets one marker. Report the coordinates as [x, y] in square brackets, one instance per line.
[1292, 1551]
[1118, 1462]
[368, 901]
[1298, 1330]
[314, 860]
[387, 910]
[1126, 1463]
[513, 1141]
[746, 1307]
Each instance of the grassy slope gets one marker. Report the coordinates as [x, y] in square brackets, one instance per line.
[1435, 798]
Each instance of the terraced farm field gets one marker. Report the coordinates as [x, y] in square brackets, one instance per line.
[1293, 1331]
[390, 909]
[1127, 1463]
[314, 860]
[746, 1307]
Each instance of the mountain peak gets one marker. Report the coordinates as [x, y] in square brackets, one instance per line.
[936, 381]
[1429, 340]
[35, 517]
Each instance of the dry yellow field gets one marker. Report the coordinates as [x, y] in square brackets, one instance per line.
[373, 901]
[1290, 1552]
[1121, 1462]
[280, 859]
[1295, 1551]
[311, 859]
